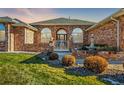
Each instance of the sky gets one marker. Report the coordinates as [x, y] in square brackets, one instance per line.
[30, 15]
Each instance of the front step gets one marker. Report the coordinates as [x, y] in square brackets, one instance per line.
[61, 50]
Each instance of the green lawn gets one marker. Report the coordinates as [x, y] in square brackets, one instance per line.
[29, 69]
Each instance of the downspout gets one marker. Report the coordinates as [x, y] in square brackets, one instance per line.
[118, 32]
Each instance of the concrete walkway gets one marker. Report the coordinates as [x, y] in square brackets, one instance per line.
[62, 53]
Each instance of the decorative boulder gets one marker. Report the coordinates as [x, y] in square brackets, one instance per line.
[53, 56]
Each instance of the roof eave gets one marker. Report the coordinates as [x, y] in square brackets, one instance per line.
[115, 15]
[61, 24]
[34, 29]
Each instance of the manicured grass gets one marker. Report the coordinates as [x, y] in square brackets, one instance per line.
[29, 69]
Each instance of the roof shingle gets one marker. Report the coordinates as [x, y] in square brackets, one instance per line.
[63, 21]
[6, 19]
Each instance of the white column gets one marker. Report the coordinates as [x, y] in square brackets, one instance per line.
[9, 39]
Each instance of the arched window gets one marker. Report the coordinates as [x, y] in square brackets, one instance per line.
[2, 32]
[46, 35]
[61, 31]
[77, 35]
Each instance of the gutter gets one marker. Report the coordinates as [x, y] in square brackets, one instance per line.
[118, 32]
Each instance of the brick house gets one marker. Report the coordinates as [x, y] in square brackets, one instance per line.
[16, 35]
[109, 31]
[67, 32]
[35, 37]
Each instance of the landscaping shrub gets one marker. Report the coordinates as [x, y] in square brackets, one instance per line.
[105, 48]
[96, 64]
[75, 54]
[83, 48]
[68, 60]
[109, 48]
[53, 56]
[100, 47]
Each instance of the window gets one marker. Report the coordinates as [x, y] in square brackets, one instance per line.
[77, 35]
[29, 36]
[2, 32]
[61, 31]
[46, 35]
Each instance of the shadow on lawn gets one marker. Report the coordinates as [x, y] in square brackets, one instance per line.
[38, 59]
[33, 60]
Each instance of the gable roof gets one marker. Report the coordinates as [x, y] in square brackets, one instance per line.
[6, 19]
[16, 22]
[63, 21]
[23, 24]
[114, 15]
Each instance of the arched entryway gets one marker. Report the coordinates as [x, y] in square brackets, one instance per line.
[61, 39]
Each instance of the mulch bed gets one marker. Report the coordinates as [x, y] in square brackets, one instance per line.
[112, 74]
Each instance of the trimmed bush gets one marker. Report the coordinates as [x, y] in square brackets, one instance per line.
[75, 54]
[96, 64]
[53, 56]
[68, 60]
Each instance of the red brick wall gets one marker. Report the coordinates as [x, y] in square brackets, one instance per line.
[2, 46]
[106, 33]
[67, 28]
[121, 32]
[19, 36]
[19, 40]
